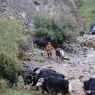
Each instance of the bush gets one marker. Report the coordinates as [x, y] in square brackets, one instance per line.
[11, 39]
[55, 30]
[8, 67]
[43, 33]
[11, 35]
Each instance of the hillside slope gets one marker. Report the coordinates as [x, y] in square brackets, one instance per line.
[27, 9]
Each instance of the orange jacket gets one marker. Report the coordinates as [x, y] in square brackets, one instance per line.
[49, 48]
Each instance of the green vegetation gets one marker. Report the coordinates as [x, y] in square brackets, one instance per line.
[15, 40]
[87, 12]
[8, 67]
[16, 92]
[3, 85]
[79, 3]
[12, 39]
[26, 58]
[11, 35]
[56, 29]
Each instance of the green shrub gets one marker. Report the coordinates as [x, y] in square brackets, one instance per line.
[11, 35]
[11, 39]
[56, 29]
[8, 67]
[43, 33]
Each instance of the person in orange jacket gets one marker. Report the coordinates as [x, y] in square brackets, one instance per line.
[49, 49]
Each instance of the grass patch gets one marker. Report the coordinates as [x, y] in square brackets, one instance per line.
[17, 92]
[26, 58]
[39, 58]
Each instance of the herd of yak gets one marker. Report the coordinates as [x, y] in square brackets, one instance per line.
[41, 43]
[49, 80]
[53, 82]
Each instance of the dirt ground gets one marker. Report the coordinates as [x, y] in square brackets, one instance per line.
[80, 63]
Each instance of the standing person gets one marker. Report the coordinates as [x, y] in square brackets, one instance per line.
[49, 49]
